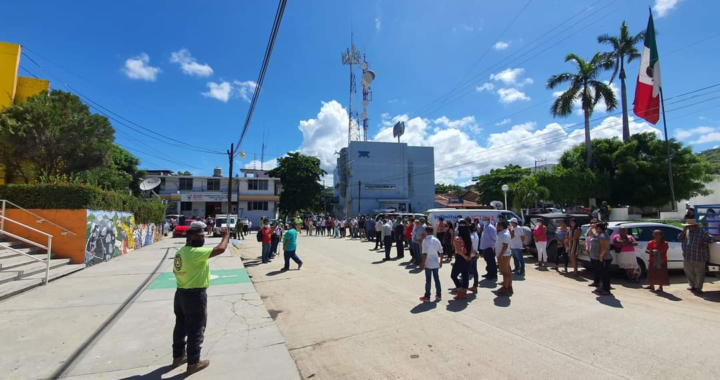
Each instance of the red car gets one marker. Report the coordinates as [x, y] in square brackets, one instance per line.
[182, 228]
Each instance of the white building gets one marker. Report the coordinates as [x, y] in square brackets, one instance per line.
[254, 195]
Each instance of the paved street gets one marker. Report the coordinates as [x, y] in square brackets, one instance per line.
[348, 315]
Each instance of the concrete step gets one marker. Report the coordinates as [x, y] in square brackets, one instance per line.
[12, 253]
[12, 288]
[16, 261]
[7, 275]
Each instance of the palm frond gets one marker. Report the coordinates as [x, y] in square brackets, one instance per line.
[562, 106]
[604, 92]
[558, 79]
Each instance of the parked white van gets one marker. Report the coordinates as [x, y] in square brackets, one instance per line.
[455, 214]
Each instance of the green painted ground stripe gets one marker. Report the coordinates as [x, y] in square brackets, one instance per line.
[166, 280]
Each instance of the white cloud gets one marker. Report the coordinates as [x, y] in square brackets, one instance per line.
[245, 90]
[663, 7]
[467, 28]
[511, 77]
[139, 68]
[485, 87]
[503, 122]
[220, 91]
[683, 134]
[267, 165]
[325, 134]
[467, 122]
[511, 95]
[189, 65]
[378, 24]
[500, 45]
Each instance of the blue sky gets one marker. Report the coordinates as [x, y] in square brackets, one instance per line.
[186, 69]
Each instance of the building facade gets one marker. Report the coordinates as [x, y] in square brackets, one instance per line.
[255, 194]
[377, 175]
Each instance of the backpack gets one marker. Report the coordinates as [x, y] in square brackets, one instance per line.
[259, 236]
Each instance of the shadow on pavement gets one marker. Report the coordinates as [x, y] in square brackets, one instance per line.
[489, 284]
[518, 277]
[157, 375]
[668, 296]
[415, 270]
[423, 307]
[712, 296]
[274, 273]
[501, 301]
[610, 301]
[460, 305]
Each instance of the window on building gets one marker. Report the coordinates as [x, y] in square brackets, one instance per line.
[162, 183]
[257, 184]
[377, 186]
[185, 206]
[257, 206]
[186, 184]
[213, 185]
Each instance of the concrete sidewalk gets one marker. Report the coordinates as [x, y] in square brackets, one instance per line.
[40, 330]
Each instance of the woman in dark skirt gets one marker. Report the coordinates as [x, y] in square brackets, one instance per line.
[657, 273]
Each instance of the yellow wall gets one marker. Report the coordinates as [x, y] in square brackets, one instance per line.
[9, 64]
[27, 87]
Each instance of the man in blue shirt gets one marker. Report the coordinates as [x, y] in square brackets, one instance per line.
[290, 247]
[487, 248]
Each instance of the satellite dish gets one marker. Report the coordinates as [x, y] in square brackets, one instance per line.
[363, 116]
[399, 129]
[497, 205]
[363, 65]
[150, 183]
[368, 77]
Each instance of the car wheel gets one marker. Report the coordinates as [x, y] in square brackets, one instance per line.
[641, 270]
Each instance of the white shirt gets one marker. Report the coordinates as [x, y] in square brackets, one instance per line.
[503, 237]
[432, 247]
[475, 243]
[516, 241]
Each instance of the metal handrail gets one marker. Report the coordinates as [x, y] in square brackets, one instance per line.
[40, 220]
[3, 218]
[20, 252]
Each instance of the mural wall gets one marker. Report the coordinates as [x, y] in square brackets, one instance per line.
[110, 233]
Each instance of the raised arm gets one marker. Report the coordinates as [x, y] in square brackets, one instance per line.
[220, 249]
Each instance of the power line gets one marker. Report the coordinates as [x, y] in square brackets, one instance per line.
[100, 107]
[261, 77]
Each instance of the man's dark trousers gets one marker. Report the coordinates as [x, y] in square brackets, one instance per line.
[388, 246]
[490, 263]
[190, 321]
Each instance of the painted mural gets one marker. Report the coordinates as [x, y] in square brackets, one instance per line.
[111, 233]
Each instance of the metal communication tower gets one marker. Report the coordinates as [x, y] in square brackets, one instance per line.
[351, 57]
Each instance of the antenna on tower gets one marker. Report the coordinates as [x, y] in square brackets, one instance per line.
[367, 78]
[262, 152]
[350, 58]
[254, 161]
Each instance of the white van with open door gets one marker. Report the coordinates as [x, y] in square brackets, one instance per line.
[455, 214]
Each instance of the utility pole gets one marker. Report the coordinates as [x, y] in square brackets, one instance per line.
[359, 190]
[230, 153]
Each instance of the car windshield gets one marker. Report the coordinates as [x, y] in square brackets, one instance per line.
[187, 222]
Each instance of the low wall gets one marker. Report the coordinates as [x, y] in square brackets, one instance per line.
[68, 246]
[99, 235]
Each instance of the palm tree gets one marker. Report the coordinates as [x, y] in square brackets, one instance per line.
[623, 46]
[585, 88]
[528, 191]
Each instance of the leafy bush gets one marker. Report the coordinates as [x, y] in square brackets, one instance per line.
[73, 196]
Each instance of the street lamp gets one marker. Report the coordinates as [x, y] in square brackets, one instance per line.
[505, 189]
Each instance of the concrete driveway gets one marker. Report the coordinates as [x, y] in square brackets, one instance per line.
[349, 315]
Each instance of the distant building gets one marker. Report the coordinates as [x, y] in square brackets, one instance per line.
[450, 201]
[379, 175]
[255, 195]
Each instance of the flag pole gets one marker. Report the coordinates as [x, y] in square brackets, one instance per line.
[667, 148]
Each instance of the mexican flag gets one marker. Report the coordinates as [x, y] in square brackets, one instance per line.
[647, 91]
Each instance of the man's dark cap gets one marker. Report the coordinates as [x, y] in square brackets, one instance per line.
[194, 231]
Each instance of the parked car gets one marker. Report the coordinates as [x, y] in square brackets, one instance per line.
[643, 234]
[182, 228]
[173, 220]
[401, 215]
[551, 222]
[221, 221]
[454, 214]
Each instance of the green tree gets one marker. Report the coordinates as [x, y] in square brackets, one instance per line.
[454, 190]
[635, 172]
[300, 179]
[623, 47]
[52, 133]
[121, 173]
[712, 156]
[583, 87]
[526, 192]
[572, 186]
[490, 185]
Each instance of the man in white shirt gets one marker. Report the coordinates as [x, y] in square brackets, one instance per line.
[387, 238]
[503, 253]
[431, 264]
[517, 240]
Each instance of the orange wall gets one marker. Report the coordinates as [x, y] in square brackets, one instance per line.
[68, 246]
